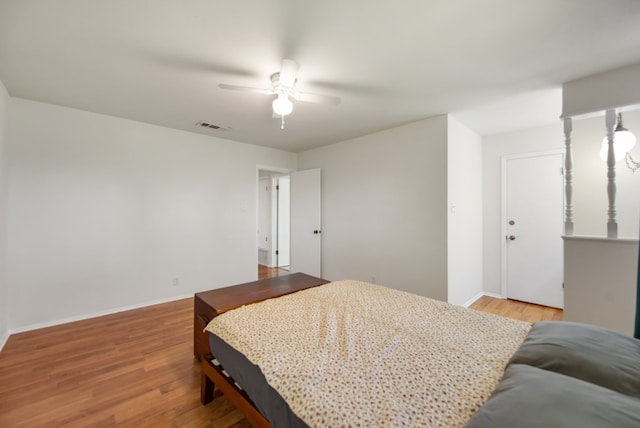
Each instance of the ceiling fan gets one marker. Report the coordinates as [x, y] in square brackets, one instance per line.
[283, 84]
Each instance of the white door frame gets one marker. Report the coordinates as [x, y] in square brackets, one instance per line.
[276, 216]
[503, 212]
[276, 170]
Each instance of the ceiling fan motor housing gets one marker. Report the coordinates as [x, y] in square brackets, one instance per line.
[278, 87]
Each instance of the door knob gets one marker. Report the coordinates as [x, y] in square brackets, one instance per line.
[512, 238]
[316, 232]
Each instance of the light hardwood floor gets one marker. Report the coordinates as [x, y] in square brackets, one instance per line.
[267, 272]
[134, 368]
[519, 310]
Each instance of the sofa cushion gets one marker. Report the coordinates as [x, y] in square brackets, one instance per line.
[529, 397]
[585, 352]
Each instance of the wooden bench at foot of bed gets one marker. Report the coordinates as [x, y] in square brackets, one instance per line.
[210, 304]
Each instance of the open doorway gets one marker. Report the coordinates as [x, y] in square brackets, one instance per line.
[273, 244]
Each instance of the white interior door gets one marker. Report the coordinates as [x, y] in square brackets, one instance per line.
[264, 214]
[283, 221]
[306, 230]
[534, 228]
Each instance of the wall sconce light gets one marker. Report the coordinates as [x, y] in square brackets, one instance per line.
[623, 142]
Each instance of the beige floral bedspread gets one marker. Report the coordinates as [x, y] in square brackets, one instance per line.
[350, 353]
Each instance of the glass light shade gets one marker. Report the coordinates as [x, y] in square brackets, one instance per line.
[282, 106]
[623, 141]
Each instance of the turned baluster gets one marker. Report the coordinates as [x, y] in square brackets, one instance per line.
[612, 224]
[568, 178]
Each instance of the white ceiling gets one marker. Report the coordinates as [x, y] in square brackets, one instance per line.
[497, 65]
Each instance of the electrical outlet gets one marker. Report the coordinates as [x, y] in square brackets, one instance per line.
[176, 281]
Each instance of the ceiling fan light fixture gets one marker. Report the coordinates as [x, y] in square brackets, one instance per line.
[282, 105]
[283, 84]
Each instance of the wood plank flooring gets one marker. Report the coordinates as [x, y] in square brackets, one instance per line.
[134, 368]
[515, 309]
[269, 272]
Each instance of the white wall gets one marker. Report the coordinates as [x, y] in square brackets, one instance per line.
[464, 226]
[104, 212]
[590, 181]
[384, 207]
[4, 287]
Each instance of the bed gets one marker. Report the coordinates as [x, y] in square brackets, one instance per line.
[350, 353]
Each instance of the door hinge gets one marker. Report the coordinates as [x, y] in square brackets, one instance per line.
[278, 187]
[277, 252]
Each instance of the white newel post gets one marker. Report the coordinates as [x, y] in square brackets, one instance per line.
[612, 225]
[568, 178]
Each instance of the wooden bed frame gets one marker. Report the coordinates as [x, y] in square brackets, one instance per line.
[210, 304]
[212, 376]
[221, 300]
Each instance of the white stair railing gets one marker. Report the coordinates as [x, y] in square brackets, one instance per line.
[568, 178]
[612, 224]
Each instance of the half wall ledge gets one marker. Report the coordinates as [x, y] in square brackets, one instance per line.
[600, 281]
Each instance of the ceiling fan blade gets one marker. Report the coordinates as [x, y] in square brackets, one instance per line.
[288, 73]
[246, 89]
[317, 99]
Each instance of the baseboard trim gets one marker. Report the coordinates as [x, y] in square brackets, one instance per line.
[95, 314]
[3, 340]
[479, 295]
[494, 295]
[472, 300]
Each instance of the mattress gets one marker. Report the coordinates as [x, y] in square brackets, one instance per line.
[353, 353]
[249, 377]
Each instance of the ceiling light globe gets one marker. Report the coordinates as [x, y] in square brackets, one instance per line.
[282, 106]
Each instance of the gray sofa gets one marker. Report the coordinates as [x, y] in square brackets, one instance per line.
[567, 375]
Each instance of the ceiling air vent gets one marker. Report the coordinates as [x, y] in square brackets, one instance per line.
[211, 126]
